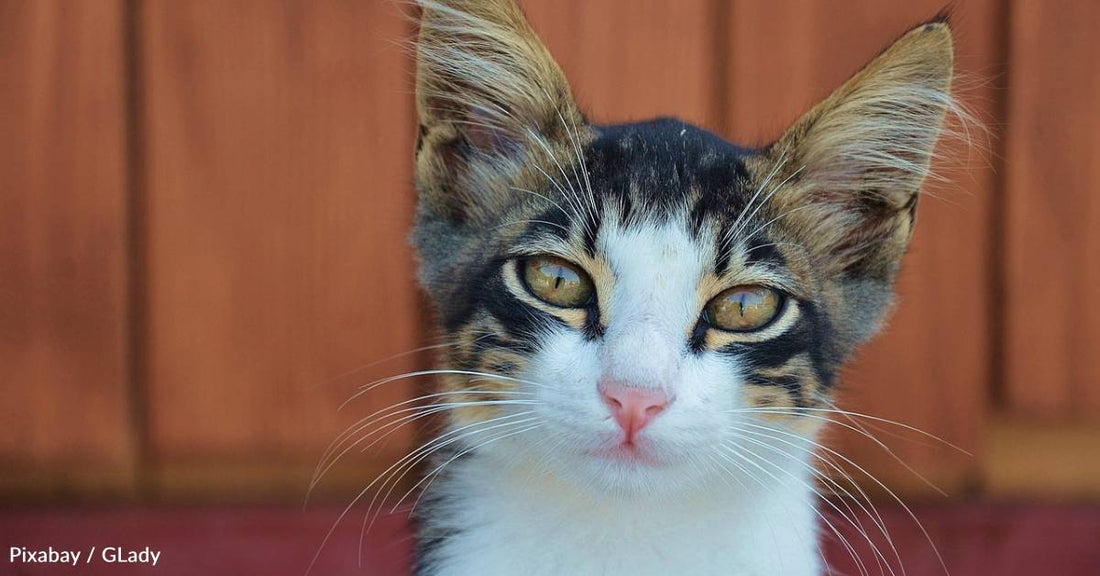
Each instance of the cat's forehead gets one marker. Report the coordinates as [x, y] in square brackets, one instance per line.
[658, 187]
[666, 166]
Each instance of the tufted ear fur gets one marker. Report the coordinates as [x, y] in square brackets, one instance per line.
[854, 164]
[492, 104]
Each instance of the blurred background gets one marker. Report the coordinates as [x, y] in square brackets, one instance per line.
[204, 208]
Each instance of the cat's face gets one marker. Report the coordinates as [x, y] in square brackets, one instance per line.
[624, 303]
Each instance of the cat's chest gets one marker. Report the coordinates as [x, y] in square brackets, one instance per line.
[503, 529]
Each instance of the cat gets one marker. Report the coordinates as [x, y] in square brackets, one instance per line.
[645, 321]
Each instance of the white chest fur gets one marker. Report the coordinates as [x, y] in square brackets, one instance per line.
[518, 523]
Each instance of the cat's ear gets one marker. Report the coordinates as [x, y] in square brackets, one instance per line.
[490, 100]
[853, 166]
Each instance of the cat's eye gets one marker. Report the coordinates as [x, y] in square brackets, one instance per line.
[557, 281]
[744, 308]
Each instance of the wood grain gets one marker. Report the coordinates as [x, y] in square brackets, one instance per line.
[64, 395]
[931, 367]
[654, 59]
[279, 142]
[1042, 460]
[273, 203]
[1052, 160]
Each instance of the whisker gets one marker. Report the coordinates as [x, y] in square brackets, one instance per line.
[429, 448]
[737, 233]
[878, 482]
[771, 527]
[924, 433]
[777, 218]
[763, 185]
[530, 221]
[864, 433]
[363, 367]
[426, 451]
[543, 196]
[875, 518]
[554, 157]
[435, 372]
[418, 412]
[737, 451]
[354, 501]
[359, 424]
[852, 520]
[431, 475]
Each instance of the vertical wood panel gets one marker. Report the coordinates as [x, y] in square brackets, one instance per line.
[624, 63]
[1052, 225]
[279, 201]
[64, 411]
[931, 367]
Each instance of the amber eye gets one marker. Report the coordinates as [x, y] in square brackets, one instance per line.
[556, 281]
[744, 308]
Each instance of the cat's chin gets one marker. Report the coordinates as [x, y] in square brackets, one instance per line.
[628, 470]
[628, 478]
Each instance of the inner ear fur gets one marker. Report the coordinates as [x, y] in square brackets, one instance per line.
[852, 167]
[492, 104]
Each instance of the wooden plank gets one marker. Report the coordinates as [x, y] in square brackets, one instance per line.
[279, 152]
[1033, 460]
[931, 368]
[64, 397]
[633, 63]
[1052, 172]
[267, 128]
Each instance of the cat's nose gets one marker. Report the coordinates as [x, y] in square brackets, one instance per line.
[633, 408]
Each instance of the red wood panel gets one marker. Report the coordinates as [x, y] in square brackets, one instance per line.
[633, 62]
[279, 200]
[931, 368]
[64, 398]
[1052, 227]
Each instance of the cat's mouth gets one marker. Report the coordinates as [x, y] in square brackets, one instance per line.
[637, 452]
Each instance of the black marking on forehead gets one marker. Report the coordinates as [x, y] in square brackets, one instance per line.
[623, 201]
[714, 202]
[666, 167]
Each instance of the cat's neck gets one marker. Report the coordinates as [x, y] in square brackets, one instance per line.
[519, 521]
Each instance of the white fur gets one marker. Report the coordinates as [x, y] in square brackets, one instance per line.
[544, 502]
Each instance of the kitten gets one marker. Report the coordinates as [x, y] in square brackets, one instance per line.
[643, 318]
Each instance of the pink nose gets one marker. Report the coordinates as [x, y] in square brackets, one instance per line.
[633, 408]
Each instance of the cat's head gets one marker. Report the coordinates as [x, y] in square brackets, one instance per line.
[621, 301]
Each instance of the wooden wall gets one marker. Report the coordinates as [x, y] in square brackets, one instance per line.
[65, 411]
[204, 209]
